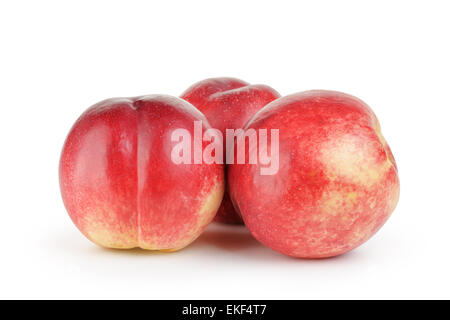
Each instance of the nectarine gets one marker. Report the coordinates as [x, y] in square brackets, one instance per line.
[337, 182]
[119, 183]
[228, 103]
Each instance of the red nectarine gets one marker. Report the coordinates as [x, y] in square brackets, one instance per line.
[337, 182]
[119, 184]
[228, 103]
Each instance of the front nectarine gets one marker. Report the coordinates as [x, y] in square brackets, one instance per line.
[119, 183]
[337, 182]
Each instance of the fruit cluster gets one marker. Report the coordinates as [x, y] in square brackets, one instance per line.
[335, 182]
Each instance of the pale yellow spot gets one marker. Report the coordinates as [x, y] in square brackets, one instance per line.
[102, 227]
[345, 158]
[108, 239]
[337, 202]
[377, 127]
[351, 196]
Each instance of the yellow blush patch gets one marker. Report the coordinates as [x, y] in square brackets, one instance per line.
[337, 203]
[102, 227]
[346, 158]
[205, 215]
[351, 196]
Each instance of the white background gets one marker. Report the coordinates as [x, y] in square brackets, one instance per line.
[58, 57]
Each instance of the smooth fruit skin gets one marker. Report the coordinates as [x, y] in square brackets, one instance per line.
[228, 103]
[337, 182]
[118, 181]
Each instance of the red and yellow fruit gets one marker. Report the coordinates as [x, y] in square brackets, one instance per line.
[228, 103]
[337, 182]
[118, 181]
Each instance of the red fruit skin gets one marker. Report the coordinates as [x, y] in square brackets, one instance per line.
[337, 182]
[228, 103]
[119, 184]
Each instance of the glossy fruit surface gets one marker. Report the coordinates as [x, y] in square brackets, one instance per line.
[119, 183]
[337, 182]
[228, 103]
